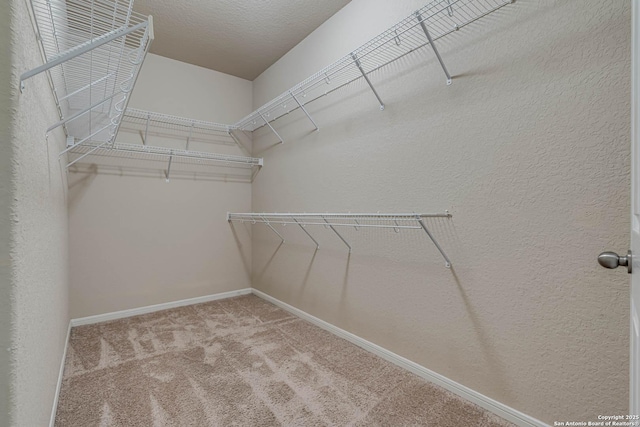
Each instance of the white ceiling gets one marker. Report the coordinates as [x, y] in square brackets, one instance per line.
[242, 37]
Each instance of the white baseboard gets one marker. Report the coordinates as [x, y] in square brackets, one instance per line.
[52, 420]
[479, 399]
[157, 307]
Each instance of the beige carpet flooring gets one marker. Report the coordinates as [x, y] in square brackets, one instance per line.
[242, 362]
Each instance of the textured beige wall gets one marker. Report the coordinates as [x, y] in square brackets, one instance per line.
[174, 87]
[39, 235]
[5, 217]
[136, 240]
[528, 149]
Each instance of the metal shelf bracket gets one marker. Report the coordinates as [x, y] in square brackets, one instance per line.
[338, 234]
[432, 44]
[435, 20]
[271, 127]
[359, 65]
[307, 233]
[273, 229]
[303, 109]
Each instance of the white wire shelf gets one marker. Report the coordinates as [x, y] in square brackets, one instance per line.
[173, 157]
[395, 221]
[93, 51]
[178, 129]
[423, 27]
[149, 123]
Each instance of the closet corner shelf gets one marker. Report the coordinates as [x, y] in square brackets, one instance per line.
[395, 221]
[425, 26]
[93, 52]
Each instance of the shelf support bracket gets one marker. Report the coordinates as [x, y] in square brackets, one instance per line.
[359, 65]
[271, 227]
[81, 49]
[166, 175]
[237, 141]
[146, 130]
[449, 8]
[190, 133]
[271, 127]
[303, 109]
[435, 242]
[338, 234]
[433, 46]
[307, 233]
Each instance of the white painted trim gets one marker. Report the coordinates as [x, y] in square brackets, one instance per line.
[157, 307]
[481, 400]
[634, 330]
[52, 420]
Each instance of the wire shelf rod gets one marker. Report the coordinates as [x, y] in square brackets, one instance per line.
[407, 216]
[396, 222]
[133, 113]
[134, 149]
[337, 224]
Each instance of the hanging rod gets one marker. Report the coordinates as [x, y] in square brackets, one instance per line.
[424, 27]
[93, 51]
[397, 222]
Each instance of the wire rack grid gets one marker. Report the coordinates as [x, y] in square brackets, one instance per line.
[148, 122]
[426, 25]
[173, 159]
[93, 51]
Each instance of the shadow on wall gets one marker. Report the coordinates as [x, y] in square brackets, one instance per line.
[407, 249]
[468, 38]
[260, 275]
[243, 254]
[79, 183]
[495, 369]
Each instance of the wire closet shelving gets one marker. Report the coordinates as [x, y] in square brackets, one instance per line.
[93, 51]
[423, 27]
[147, 123]
[395, 221]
